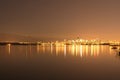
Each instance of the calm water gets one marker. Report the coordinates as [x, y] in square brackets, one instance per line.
[59, 63]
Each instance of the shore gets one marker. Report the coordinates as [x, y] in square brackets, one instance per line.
[55, 43]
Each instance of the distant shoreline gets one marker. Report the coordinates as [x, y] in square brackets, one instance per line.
[51, 43]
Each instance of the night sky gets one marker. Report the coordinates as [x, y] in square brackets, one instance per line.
[61, 18]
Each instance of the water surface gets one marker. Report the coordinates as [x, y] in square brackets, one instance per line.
[73, 62]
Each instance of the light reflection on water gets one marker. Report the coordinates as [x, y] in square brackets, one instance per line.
[9, 48]
[74, 50]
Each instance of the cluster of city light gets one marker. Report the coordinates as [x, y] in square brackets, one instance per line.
[77, 41]
[81, 42]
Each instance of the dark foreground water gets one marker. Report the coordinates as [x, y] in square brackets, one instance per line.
[59, 63]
